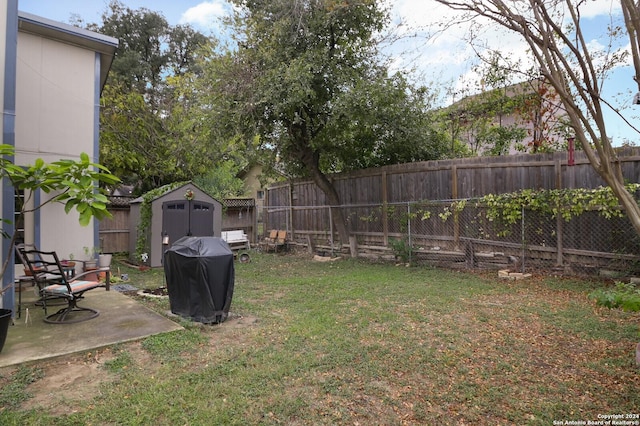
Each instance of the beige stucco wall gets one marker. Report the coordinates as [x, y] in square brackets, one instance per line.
[55, 104]
[252, 183]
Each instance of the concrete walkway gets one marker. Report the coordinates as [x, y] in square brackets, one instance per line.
[121, 319]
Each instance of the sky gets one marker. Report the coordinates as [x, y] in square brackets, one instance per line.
[435, 59]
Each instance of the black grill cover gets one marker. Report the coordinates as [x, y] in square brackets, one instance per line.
[200, 278]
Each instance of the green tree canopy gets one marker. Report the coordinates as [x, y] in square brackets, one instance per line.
[307, 85]
[77, 184]
[152, 127]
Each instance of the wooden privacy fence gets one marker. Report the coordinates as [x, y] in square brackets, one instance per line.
[407, 202]
[114, 231]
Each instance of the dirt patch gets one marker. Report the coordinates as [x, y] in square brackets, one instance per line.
[68, 382]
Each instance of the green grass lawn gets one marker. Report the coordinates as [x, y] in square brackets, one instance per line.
[351, 342]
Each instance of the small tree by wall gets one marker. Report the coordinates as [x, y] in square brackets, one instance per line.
[76, 184]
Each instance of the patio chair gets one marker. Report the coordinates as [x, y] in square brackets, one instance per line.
[28, 276]
[266, 243]
[280, 241]
[53, 281]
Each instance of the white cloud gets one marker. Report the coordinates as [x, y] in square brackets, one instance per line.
[436, 46]
[597, 8]
[440, 50]
[205, 14]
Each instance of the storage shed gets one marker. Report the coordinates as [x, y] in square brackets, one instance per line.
[170, 214]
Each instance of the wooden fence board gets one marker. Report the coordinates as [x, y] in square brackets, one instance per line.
[390, 189]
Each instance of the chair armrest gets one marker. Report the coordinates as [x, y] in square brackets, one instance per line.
[104, 269]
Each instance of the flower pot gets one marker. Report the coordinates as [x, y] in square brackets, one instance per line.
[90, 264]
[91, 277]
[104, 260]
[27, 271]
[5, 320]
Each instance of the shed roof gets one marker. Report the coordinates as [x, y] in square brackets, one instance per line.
[168, 189]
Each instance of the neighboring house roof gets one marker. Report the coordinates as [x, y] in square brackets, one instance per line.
[536, 110]
[43, 27]
[529, 87]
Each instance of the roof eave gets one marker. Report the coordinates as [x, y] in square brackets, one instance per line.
[65, 33]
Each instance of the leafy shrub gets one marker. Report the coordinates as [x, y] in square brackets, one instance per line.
[402, 250]
[622, 295]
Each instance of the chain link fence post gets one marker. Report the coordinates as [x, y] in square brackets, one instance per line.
[523, 239]
[409, 242]
[331, 230]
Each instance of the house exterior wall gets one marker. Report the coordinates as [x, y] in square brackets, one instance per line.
[542, 120]
[3, 53]
[55, 86]
[54, 120]
[51, 75]
[254, 189]
[252, 184]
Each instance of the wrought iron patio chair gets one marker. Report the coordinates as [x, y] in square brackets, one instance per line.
[53, 281]
[28, 278]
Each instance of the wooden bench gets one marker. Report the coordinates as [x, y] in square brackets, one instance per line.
[237, 241]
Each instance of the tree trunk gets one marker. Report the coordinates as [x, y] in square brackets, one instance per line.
[605, 162]
[626, 199]
[311, 161]
[330, 192]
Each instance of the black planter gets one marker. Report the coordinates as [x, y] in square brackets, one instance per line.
[5, 320]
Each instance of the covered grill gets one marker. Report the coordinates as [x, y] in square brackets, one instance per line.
[200, 278]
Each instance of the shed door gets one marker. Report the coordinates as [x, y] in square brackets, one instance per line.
[181, 218]
[201, 219]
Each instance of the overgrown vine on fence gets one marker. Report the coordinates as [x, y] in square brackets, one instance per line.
[506, 209]
[455, 207]
[568, 203]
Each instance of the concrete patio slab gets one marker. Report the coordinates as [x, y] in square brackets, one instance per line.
[121, 319]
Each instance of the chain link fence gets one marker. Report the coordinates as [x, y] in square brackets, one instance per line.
[464, 233]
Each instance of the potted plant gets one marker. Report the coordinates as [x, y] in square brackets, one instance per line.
[69, 262]
[91, 262]
[104, 260]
